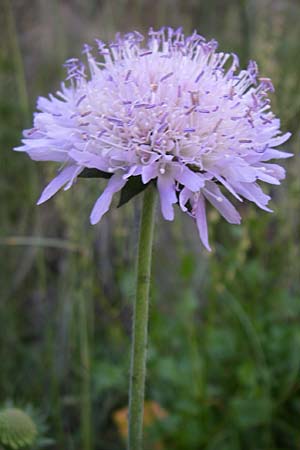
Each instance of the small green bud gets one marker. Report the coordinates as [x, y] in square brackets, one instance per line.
[17, 429]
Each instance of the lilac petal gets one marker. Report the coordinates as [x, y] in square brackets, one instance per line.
[119, 156]
[264, 176]
[201, 221]
[274, 154]
[184, 196]
[275, 170]
[221, 203]
[185, 176]
[102, 205]
[47, 154]
[228, 187]
[133, 171]
[57, 183]
[279, 140]
[254, 158]
[89, 160]
[149, 172]
[43, 104]
[254, 193]
[20, 148]
[240, 172]
[42, 151]
[75, 175]
[167, 194]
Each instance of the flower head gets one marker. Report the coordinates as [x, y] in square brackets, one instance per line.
[168, 108]
[17, 429]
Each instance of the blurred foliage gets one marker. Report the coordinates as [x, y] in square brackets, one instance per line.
[224, 352]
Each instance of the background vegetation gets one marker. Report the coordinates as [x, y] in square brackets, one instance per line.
[224, 356]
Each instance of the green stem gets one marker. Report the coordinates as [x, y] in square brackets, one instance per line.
[140, 323]
[86, 413]
[85, 357]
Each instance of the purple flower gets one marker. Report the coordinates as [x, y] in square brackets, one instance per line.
[170, 109]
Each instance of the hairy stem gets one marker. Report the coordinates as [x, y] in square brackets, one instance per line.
[140, 322]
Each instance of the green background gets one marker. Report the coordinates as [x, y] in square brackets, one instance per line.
[224, 351]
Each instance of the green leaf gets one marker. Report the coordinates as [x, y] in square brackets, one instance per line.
[132, 188]
[251, 412]
[94, 173]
